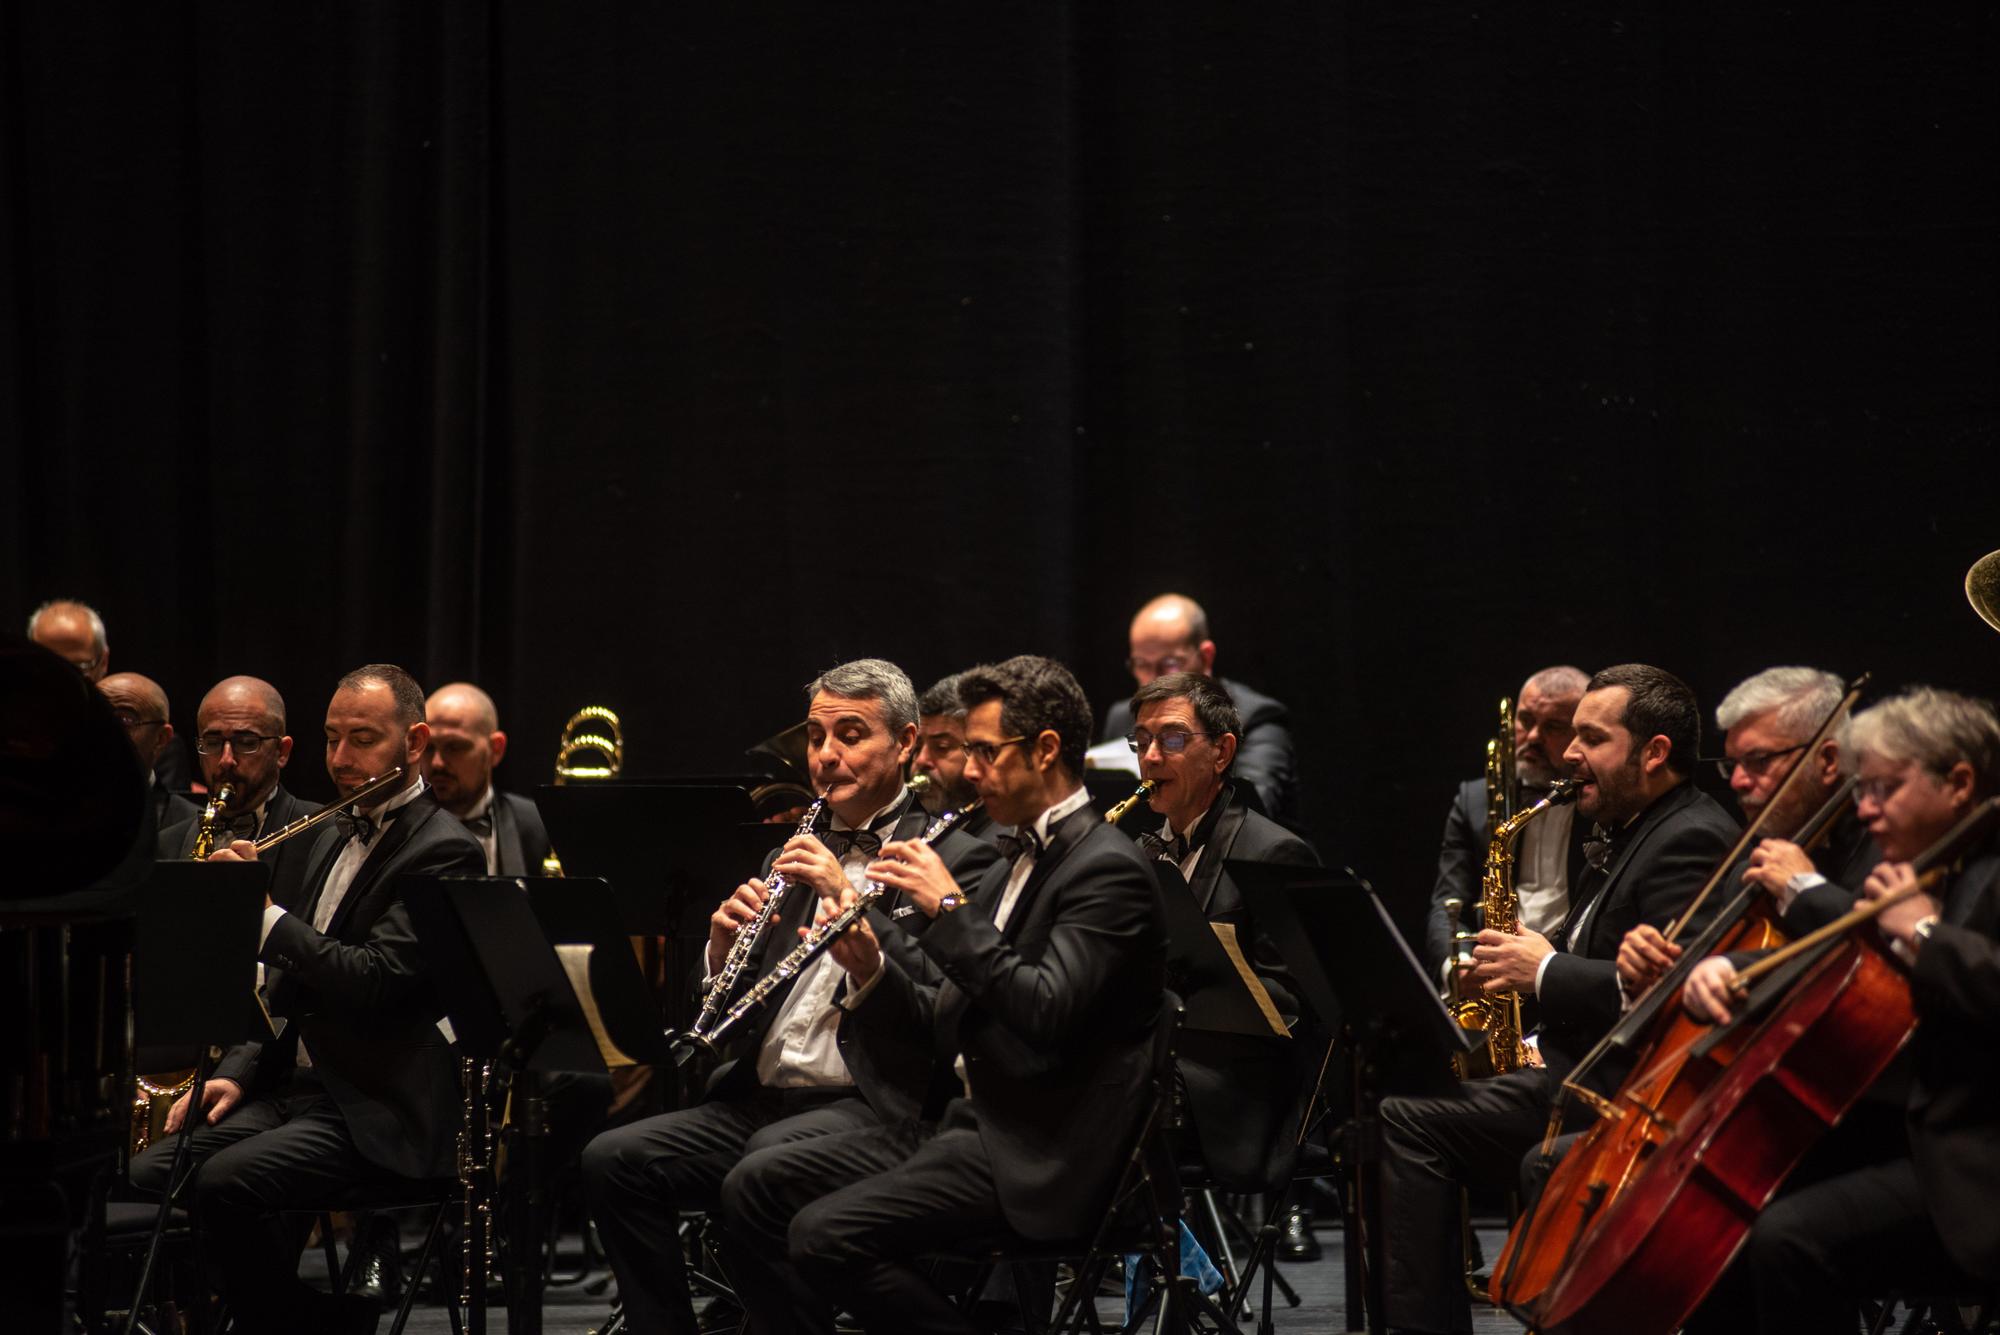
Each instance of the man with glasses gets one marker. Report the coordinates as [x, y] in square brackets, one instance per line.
[240, 740]
[940, 757]
[466, 747]
[141, 706]
[1171, 634]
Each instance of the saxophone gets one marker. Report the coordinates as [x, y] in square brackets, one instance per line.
[154, 1096]
[1499, 1017]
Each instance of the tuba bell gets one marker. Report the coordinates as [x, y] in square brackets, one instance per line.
[579, 739]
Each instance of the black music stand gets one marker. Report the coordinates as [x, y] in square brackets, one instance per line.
[1351, 962]
[669, 849]
[1214, 997]
[583, 911]
[511, 1004]
[194, 981]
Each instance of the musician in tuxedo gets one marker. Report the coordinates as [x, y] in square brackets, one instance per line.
[140, 705]
[1767, 721]
[940, 757]
[1052, 967]
[360, 1085]
[1655, 842]
[798, 1068]
[241, 741]
[1919, 1219]
[1548, 857]
[466, 747]
[1171, 634]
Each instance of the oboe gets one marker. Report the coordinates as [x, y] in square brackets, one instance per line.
[720, 986]
[816, 942]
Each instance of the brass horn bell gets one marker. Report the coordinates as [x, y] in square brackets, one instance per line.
[1982, 588]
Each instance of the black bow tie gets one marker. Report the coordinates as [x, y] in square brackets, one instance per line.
[869, 841]
[480, 825]
[356, 827]
[243, 826]
[1023, 840]
[1173, 848]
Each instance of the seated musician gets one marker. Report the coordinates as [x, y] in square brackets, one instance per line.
[1921, 1219]
[1657, 840]
[1766, 721]
[1549, 855]
[141, 706]
[1052, 965]
[940, 757]
[360, 1086]
[798, 1069]
[241, 741]
[466, 747]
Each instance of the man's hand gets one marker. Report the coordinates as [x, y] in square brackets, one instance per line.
[1898, 921]
[238, 850]
[728, 919]
[856, 949]
[806, 861]
[1643, 956]
[217, 1096]
[1710, 990]
[1773, 863]
[913, 867]
[1508, 961]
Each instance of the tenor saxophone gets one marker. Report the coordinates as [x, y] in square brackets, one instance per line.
[1498, 1017]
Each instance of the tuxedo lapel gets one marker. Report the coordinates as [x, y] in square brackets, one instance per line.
[506, 837]
[1225, 825]
[408, 821]
[1068, 831]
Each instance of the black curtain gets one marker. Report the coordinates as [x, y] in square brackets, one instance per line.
[659, 357]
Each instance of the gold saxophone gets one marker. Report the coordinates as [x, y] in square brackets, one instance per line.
[153, 1096]
[1499, 1016]
[1139, 794]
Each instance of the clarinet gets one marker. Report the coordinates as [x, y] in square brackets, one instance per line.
[720, 986]
[817, 941]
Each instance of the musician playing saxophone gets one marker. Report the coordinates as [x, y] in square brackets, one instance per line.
[792, 1072]
[1655, 842]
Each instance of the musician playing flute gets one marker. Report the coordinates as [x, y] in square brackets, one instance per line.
[795, 1070]
[360, 1086]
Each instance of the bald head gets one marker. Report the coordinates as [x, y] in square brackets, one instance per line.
[466, 745]
[236, 694]
[75, 631]
[141, 705]
[1170, 634]
[240, 738]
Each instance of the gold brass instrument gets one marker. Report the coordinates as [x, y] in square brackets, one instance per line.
[1982, 588]
[1499, 1017]
[816, 942]
[153, 1096]
[330, 810]
[919, 784]
[578, 740]
[1500, 790]
[747, 936]
[1139, 794]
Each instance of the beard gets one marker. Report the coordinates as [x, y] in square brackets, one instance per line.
[1618, 794]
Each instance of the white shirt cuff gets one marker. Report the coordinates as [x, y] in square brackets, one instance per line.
[1541, 969]
[271, 915]
[1797, 886]
[857, 995]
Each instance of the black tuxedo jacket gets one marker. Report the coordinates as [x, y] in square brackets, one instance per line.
[289, 861]
[520, 841]
[1462, 867]
[1265, 757]
[359, 997]
[169, 807]
[1954, 1107]
[1235, 831]
[1054, 1015]
[892, 1071]
[1656, 868]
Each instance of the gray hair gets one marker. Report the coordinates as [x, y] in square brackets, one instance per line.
[1936, 729]
[1563, 683]
[98, 640]
[871, 679]
[1800, 697]
[942, 698]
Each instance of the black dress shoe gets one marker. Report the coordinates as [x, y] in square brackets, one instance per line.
[380, 1278]
[1298, 1243]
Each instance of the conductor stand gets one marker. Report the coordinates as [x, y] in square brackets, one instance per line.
[517, 1021]
[1351, 962]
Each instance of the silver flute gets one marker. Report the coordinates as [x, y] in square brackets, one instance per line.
[733, 963]
[816, 942]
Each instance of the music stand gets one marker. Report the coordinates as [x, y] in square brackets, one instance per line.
[669, 849]
[194, 981]
[509, 1003]
[1214, 997]
[582, 911]
[1351, 962]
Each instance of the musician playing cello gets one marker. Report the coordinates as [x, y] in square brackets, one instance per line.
[1921, 1222]
[795, 1071]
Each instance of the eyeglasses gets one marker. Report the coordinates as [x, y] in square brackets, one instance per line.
[130, 720]
[1879, 791]
[988, 752]
[1160, 667]
[1754, 763]
[1173, 741]
[242, 743]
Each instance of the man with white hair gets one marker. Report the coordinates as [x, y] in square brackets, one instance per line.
[74, 630]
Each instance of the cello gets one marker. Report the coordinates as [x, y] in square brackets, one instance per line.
[1832, 1011]
[1602, 1163]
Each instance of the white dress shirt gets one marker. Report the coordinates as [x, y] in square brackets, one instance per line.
[1541, 869]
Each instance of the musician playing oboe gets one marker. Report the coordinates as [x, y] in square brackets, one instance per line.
[795, 1070]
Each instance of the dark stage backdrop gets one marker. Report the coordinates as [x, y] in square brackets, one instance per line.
[659, 356]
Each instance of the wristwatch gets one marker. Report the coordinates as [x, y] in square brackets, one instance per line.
[1921, 933]
[950, 902]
